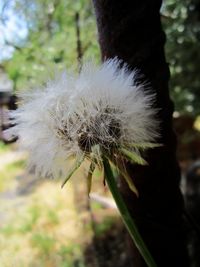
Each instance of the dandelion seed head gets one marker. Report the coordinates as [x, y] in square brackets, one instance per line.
[103, 105]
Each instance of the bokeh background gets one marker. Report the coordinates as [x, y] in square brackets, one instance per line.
[40, 224]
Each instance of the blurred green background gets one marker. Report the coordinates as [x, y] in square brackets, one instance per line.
[44, 225]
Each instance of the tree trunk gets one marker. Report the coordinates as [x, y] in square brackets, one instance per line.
[78, 40]
[131, 30]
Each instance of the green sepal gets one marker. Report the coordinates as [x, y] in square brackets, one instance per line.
[144, 145]
[89, 177]
[77, 164]
[129, 182]
[96, 155]
[126, 177]
[133, 156]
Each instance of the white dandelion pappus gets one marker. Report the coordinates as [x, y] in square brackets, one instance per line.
[102, 106]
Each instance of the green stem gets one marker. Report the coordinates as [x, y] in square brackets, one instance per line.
[128, 220]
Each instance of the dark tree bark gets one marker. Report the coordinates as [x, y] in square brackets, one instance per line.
[78, 40]
[132, 31]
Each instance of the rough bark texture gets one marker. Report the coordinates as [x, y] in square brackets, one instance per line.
[131, 30]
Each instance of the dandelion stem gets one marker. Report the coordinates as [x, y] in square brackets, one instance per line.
[127, 219]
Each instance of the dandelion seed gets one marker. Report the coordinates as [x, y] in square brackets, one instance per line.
[102, 115]
[100, 111]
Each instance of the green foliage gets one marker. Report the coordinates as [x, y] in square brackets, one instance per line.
[17, 164]
[28, 224]
[43, 242]
[3, 148]
[51, 44]
[52, 217]
[8, 230]
[104, 226]
[7, 172]
[182, 25]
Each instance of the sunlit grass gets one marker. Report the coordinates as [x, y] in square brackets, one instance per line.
[3, 148]
[9, 173]
[42, 227]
